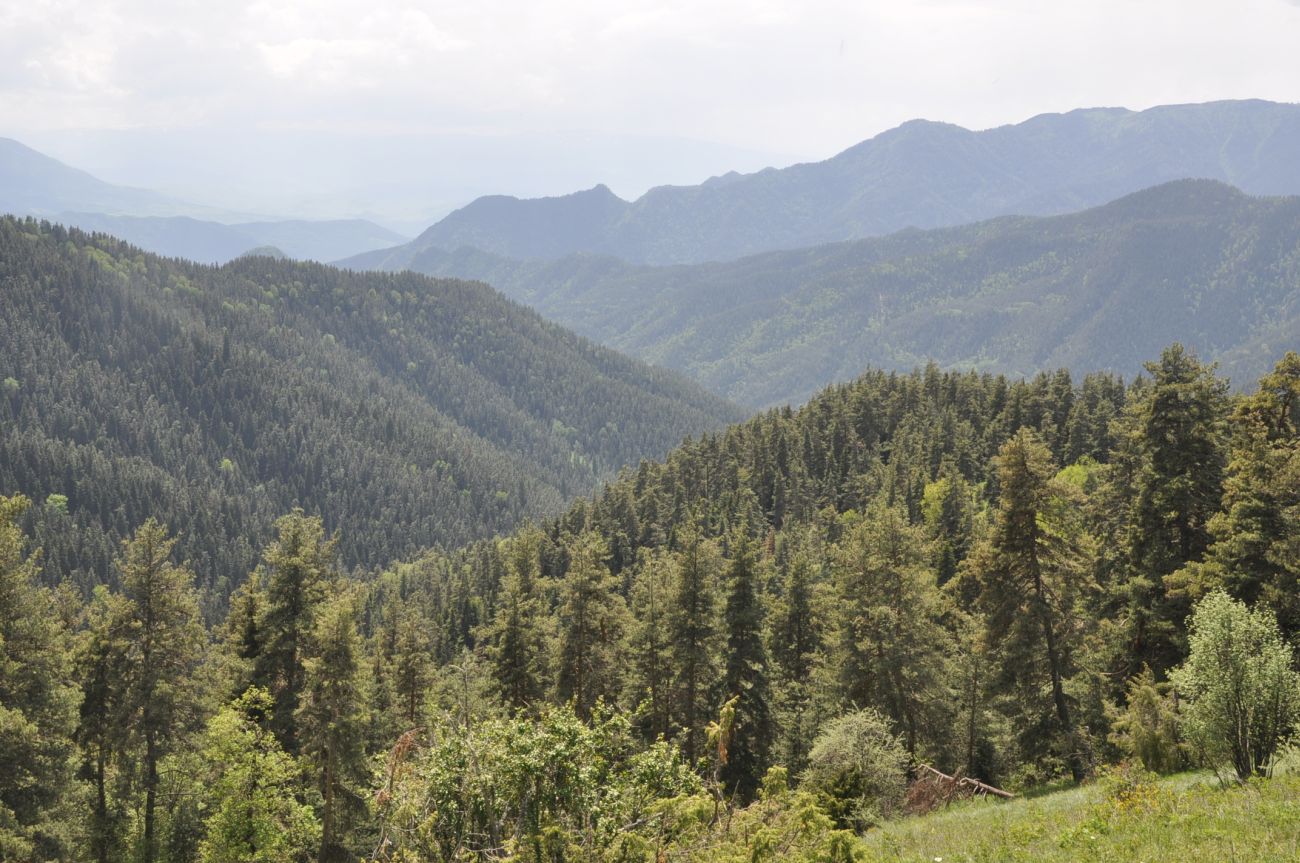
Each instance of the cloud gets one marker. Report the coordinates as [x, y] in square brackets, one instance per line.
[799, 76]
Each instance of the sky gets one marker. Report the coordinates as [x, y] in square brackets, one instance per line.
[332, 97]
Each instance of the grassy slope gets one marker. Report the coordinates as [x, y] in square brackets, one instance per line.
[1182, 818]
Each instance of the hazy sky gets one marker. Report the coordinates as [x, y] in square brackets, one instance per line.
[778, 79]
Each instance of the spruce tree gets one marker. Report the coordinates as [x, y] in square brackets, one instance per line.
[593, 621]
[693, 628]
[102, 671]
[331, 722]
[796, 642]
[38, 702]
[1175, 432]
[516, 637]
[649, 646]
[746, 674]
[166, 646]
[297, 567]
[1033, 574]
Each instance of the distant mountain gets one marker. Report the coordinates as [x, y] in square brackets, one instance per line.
[215, 243]
[32, 184]
[921, 174]
[1107, 288]
[407, 411]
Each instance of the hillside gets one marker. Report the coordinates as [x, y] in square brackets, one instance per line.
[407, 411]
[1190, 261]
[921, 174]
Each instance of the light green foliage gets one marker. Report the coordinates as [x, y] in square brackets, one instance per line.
[548, 788]
[256, 816]
[1146, 728]
[332, 721]
[781, 825]
[1239, 678]
[858, 767]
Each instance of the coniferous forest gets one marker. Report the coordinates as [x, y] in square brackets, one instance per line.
[753, 649]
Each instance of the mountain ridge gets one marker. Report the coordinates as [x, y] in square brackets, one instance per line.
[922, 173]
[1208, 264]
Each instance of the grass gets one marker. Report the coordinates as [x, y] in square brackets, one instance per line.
[1189, 817]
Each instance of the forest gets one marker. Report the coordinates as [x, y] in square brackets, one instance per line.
[751, 649]
[407, 412]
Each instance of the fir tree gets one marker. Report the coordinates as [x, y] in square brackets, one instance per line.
[593, 620]
[297, 566]
[746, 674]
[166, 645]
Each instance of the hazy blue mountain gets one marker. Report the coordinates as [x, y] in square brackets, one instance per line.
[32, 184]
[216, 243]
[921, 174]
[1107, 288]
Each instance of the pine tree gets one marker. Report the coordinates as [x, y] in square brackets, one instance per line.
[746, 675]
[410, 666]
[102, 670]
[1033, 573]
[649, 649]
[1176, 433]
[693, 628]
[332, 719]
[892, 646]
[297, 567]
[516, 638]
[593, 620]
[166, 645]
[796, 639]
[1255, 554]
[38, 702]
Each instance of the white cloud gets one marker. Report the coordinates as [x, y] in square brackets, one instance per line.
[789, 76]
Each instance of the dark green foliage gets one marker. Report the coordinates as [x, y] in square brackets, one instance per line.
[166, 644]
[298, 567]
[1033, 576]
[406, 412]
[38, 703]
[1172, 451]
[746, 675]
[592, 617]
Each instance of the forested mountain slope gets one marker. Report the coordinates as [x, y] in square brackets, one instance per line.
[1191, 261]
[745, 651]
[405, 410]
[922, 174]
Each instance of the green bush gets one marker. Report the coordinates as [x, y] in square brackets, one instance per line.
[858, 767]
[1244, 694]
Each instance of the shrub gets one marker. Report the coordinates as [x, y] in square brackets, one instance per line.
[1244, 696]
[1147, 727]
[859, 769]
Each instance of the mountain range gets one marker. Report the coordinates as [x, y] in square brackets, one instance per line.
[1106, 288]
[922, 174]
[33, 184]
